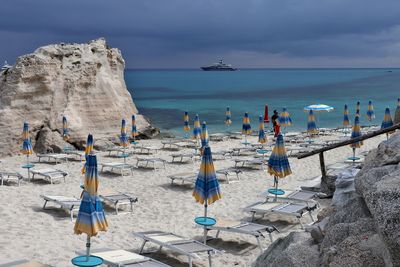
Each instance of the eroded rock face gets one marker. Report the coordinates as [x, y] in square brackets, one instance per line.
[84, 82]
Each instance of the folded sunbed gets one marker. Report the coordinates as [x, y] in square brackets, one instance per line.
[119, 258]
[24, 263]
[188, 177]
[53, 156]
[303, 196]
[117, 198]
[8, 176]
[70, 204]
[182, 156]
[246, 228]
[178, 244]
[289, 209]
[149, 160]
[49, 174]
[120, 166]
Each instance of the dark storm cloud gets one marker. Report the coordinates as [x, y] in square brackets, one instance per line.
[185, 32]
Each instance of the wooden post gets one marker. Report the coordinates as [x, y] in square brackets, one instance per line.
[322, 164]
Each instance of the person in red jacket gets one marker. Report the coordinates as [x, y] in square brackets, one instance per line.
[275, 123]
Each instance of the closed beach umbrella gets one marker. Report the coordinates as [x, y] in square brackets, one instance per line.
[266, 116]
[186, 126]
[397, 113]
[88, 150]
[204, 136]
[356, 132]
[387, 121]
[284, 118]
[246, 127]
[262, 138]
[123, 138]
[370, 112]
[91, 218]
[358, 106]
[228, 117]
[346, 121]
[26, 143]
[134, 132]
[206, 190]
[311, 125]
[196, 128]
[278, 164]
[65, 134]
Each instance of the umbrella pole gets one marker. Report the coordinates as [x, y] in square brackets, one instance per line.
[205, 218]
[87, 248]
[124, 154]
[354, 155]
[276, 188]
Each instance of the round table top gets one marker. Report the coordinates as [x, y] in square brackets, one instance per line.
[353, 158]
[84, 261]
[28, 166]
[262, 151]
[124, 155]
[276, 191]
[205, 221]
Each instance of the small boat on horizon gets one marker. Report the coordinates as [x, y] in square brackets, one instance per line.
[220, 66]
[5, 66]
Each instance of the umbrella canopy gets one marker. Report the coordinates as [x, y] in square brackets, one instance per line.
[91, 218]
[284, 118]
[228, 117]
[206, 190]
[196, 128]
[262, 138]
[266, 116]
[311, 125]
[358, 106]
[134, 129]
[370, 111]
[123, 138]
[26, 143]
[246, 128]
[186, 126]
[65, 132]
[356, 132]
[204, 135]
[346, 121]
[88, 150]
[319, 108]
[387, 119]
[278, 163]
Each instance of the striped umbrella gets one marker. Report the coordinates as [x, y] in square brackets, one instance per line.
[387, 121]
[284, 118]
[370, 111]
[65, 134]
[91, 218]
[88, 150]
[346, 121]
[123, 138]
[246, 128]
[204, 136]
[356, 132]
[358, 106]
[196, 128]
[397, 112]
[311, 125]
[26, 143]
[228, 117]
[186, 126]
[134, 132]
[278, 164]
[206, 190]
[262, 138]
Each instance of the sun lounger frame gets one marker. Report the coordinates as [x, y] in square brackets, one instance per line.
[119, 199]
[6, 176]
[150, 160]
[56, 157]
[119, 166]
[49, 175]
[71, 206]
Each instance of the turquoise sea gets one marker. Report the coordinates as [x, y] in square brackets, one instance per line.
[164, 95]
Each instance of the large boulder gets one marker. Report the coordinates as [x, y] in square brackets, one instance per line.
[84, 82]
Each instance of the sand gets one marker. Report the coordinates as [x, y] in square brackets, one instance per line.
[28, 231]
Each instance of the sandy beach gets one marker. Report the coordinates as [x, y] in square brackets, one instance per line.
[30, 232]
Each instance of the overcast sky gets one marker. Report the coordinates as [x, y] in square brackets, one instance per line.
[191, 33]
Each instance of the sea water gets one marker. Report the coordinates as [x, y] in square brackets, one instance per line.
[164, 95]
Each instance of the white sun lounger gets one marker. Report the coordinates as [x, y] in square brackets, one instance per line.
[117, 198]
[188, 177]
[121, 167]
[182, 156]
[70, 204]
[152, 160]
[119, 258]
[250, 162]
[171, 144]
[117, 149]
[75, 153]
[243, 151]
[289, 209]
[246, 228]
[8, 176]
[145, 149]
[49, 174]
[302, 196]
[24, 263]
[53, 156]
[178, 244]
[228, 172]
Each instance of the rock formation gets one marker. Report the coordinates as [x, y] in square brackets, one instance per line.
[84, 82]
[361, 228]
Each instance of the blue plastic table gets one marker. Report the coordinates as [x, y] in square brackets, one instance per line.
[246, 143]
[262, 151]
[84, 261]
[205, 221]
[124, 155]
[28, 167]
[276, 191]
[134, 143]
[353, 158]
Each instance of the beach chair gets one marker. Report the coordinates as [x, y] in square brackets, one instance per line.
[145, 149]
[246, 228]
[250, 162]
[79, 155]
[144, 162]
[179, 244]
[53, 156]
[70, 204]
[219, 137]
[171, 144]
[301, 196]
[188, 177]
[117, 149]
[49, 174]
[119, 258]
[24, 263]
[10, 176]
[243, 151]
[289, 209]
[228, 172]
[117, 199]
[119, 166]
[182, 156]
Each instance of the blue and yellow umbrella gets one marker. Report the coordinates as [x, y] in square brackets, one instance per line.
[134, 132]
[123, 138]
[196, 128]
[346, 121]
[284, 118]
[88, 150]
[65, 134]
[311, 124]
[91, 218]
[204, 136]
[206, 190]
[26, 143]
[278, 164]
[387, 121]
[397, 112]
[370, 112]
[262, 138]
[186, 126]
[228, 117]
[358, 107]
[246, 127]
[356, 132]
